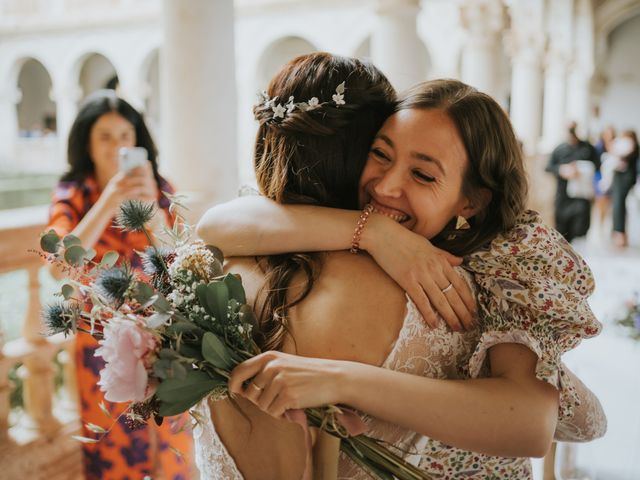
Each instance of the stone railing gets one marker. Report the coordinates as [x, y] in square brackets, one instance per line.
[35, 443]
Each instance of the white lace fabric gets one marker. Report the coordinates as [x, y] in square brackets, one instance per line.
[434, 353]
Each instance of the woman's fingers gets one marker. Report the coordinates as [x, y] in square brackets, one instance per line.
[246, 370]
[466, 295]
[418, 296]
[462, 313]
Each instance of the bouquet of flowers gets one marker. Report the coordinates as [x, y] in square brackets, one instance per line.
[170, 336]
[632, 318]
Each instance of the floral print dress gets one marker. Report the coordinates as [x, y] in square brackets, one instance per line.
[532, 289]
[160, 452]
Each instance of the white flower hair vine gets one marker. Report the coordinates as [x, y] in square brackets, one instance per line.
[280, 110]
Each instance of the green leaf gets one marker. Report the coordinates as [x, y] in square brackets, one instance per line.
[142, 292]
[190, 352]
[67, 291]
[90, 255]
[178, 370]
[247, 316]
[168, 353]
[216, 353]
[109, 259]
[340, 88]
[74, 255]
[162, 305]
[234, 285]
[177, 395]
[70, 241]
[50, 242]
[214, 298]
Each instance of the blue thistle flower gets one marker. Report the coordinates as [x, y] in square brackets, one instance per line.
[134, 214]
[114, 282]
[60, 317]
[154, 260]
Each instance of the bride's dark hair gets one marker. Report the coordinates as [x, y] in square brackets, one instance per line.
[314, 157]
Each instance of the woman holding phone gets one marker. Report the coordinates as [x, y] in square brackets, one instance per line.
[105, 169]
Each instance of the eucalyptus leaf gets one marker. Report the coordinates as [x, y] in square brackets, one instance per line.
[142, 293]
[215, 352]
[67, 291]
[90, 255]
[217, 253]
[191, 352]
[178, 370]
[161, 304]
[50, 242]
[214, 298]
[234, 285]
[70, 241]
[167, 353]
[177, 395]
[74, 255]
[109, 259]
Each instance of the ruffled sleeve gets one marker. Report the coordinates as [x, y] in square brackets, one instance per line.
[67, 207]
[532, 290]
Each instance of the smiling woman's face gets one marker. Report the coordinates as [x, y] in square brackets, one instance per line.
[414, 171]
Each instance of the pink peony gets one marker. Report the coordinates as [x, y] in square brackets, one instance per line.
[124, 347]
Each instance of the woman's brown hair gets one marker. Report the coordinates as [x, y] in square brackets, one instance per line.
[313, 156]
[495, 160]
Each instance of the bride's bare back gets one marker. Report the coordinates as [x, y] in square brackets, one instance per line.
[354, 312]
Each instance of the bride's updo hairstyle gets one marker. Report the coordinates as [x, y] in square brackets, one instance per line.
[317, 120]
[496, 161]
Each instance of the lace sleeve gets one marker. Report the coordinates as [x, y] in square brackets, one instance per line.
[533, 289]
[587, 421]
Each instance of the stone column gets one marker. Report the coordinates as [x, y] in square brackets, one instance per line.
[10, 96]
[66, 95]
[525, 44]
[554, 117]
[582, 69]
[483, 21]
[198, 104]
[395, 45]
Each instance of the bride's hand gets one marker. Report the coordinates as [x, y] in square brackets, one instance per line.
[423, 271]
[281, 382]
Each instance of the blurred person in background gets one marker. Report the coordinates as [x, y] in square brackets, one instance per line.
[602, 200]
[624, 160]
[84, 204]
[572, 215]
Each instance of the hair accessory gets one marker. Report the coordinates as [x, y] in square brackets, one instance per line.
[280, 111]
[362, 221]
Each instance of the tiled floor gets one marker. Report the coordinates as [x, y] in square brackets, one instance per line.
[610, 366]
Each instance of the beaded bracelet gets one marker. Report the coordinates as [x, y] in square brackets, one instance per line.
[362, 221]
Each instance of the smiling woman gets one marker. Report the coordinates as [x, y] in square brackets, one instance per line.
[448, 152]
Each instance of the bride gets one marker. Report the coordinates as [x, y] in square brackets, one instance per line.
[475, 402]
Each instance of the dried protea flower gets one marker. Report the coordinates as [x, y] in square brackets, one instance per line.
[61, 317]
[134, 214]
[113, 283]
[140, 413]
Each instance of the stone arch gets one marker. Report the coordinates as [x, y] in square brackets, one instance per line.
[150, 89]
[35, 109]
[619, 77]
[95, 71]
[278, 53]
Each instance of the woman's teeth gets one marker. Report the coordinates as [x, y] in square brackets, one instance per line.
[394, 217]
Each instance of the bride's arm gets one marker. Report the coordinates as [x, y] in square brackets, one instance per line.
[511, 414]
[255, 225]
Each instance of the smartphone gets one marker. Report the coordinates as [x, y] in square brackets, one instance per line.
[131, 158]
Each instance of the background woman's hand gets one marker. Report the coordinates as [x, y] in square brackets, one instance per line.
[423, 271]
[281, 382]
[136, 184]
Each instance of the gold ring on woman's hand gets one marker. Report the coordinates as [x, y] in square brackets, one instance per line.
[447, 288]
[257, 387]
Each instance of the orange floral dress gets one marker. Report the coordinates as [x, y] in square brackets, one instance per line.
[158, 452]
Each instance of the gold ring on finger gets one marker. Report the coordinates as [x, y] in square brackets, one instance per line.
[447, 288]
